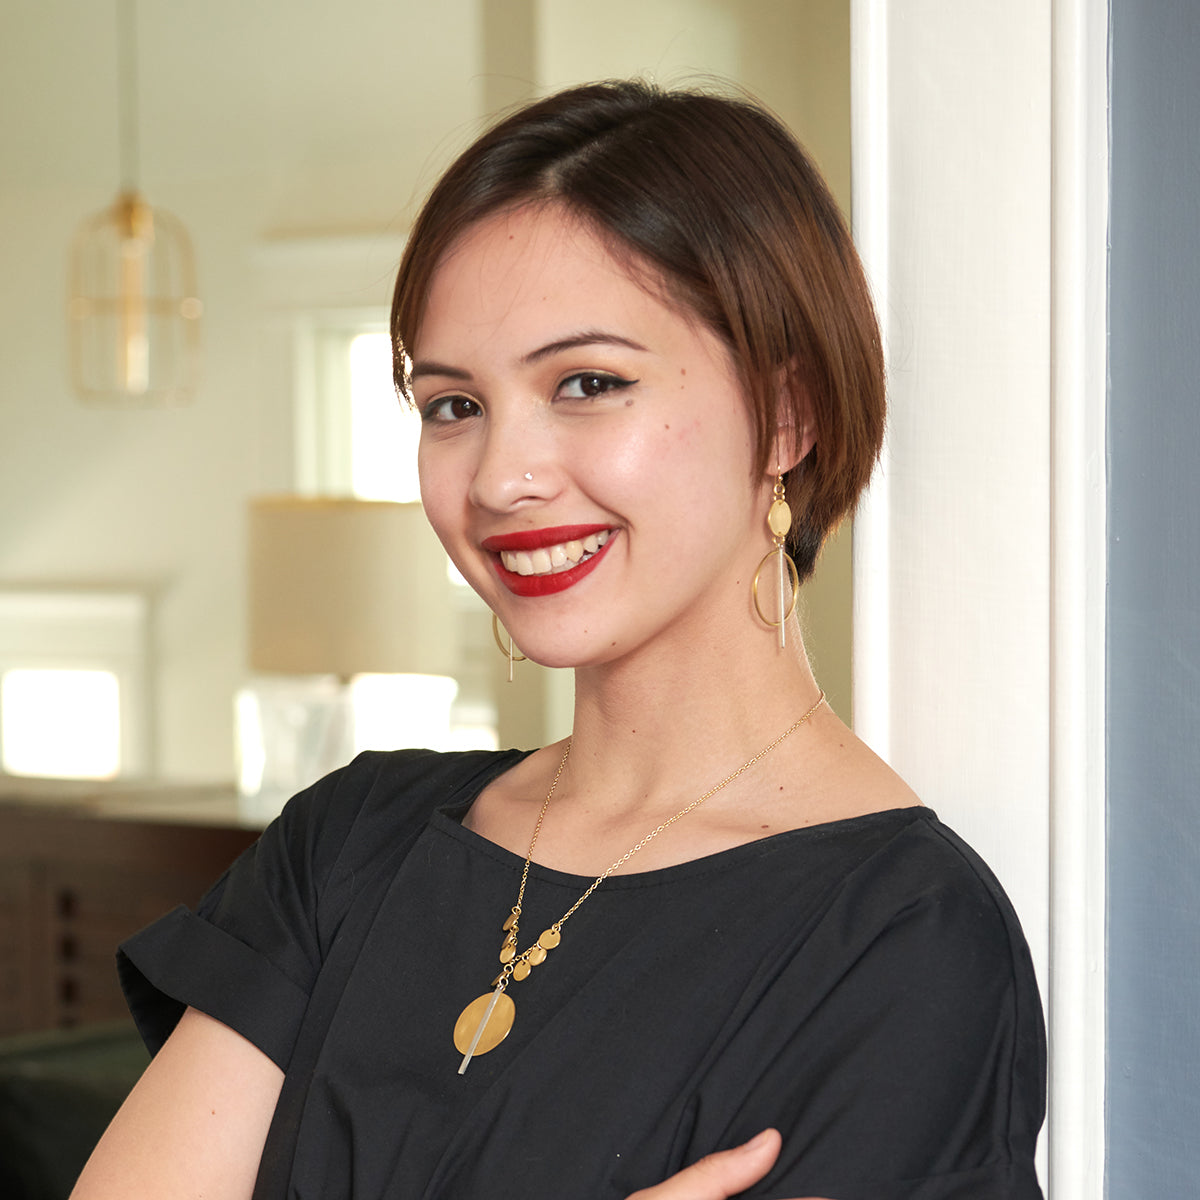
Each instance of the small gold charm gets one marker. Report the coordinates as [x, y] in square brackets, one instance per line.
[549, 938]
[535, 955]
[508, 952]
[521, 970]
[779, 518]
[511, 923]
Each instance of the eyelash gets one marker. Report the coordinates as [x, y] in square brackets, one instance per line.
[432, 411]
[435, 409]
[611, 383]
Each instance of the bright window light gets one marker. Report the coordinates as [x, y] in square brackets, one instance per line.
[402, 710]
[384, 432]
[60, 723]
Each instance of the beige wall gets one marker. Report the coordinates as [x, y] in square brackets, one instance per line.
[286, 119]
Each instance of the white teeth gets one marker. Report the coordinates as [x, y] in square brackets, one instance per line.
[547, 559]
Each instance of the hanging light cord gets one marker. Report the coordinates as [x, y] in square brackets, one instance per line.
[127, 93]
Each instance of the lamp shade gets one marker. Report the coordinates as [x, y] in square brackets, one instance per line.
[345, 587]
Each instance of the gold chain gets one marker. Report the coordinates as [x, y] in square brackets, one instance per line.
[486, 1021]
[511, 963]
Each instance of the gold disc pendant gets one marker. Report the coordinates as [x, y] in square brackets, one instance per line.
[483, 1025]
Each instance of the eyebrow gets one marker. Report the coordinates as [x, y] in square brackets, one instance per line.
[588, 337]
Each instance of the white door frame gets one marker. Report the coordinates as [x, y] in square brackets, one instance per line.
[980, 206]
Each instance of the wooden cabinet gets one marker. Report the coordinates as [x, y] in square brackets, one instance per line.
[80, 873]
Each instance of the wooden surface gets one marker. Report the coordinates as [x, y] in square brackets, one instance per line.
[83, 867]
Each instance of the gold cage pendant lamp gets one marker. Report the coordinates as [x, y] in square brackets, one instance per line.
[133, 312]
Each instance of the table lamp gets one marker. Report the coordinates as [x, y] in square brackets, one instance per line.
[351, 635]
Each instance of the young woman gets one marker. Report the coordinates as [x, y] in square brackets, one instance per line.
[646, 361]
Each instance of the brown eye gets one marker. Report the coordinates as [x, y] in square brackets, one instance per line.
[448, 409]
[462, 407]
[586, 385]
[592, 385]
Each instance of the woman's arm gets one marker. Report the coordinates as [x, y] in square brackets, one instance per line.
[194, 1125]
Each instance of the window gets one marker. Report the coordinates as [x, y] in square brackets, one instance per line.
[383, 431]
[62, 722]
[72, 683]
[354, 436]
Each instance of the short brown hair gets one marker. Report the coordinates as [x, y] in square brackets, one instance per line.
[736, 223]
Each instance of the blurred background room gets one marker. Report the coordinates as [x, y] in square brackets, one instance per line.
[215, 581]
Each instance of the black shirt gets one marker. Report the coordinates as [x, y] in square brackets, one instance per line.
[861, 985]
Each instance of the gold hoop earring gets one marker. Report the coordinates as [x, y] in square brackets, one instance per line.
[510, 651]
[779, 522]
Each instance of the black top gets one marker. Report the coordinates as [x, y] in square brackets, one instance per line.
[861, 985]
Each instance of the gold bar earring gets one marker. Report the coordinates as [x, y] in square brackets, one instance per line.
[509, 651]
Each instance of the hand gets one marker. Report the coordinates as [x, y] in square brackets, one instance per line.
[720, 1175]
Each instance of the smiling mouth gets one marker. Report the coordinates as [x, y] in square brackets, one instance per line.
[550, 560]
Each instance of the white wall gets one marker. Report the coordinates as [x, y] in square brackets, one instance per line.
[981, 197]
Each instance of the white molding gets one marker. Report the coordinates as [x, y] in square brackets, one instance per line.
[919, 533]
[952, 555]
[870, 216]
[1079, 225]
[980, 549]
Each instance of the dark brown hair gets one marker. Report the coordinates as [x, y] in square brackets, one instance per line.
[735, 223]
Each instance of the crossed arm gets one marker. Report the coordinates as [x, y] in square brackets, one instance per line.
[195, 1125]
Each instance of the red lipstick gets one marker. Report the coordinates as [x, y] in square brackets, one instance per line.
[557, 581]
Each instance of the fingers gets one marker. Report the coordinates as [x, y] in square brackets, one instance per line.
[720, 1175]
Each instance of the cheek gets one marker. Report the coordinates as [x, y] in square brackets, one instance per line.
[655, 473]
[438, 494]
[633, 461]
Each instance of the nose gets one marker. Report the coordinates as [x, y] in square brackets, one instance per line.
[517, 466]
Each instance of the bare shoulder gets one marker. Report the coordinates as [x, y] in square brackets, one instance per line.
[842, 777]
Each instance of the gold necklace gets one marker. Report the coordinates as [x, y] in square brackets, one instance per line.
[486, 1021]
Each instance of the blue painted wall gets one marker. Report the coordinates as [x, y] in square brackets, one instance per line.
[1154, 602]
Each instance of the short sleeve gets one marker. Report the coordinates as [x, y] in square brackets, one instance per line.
[250, 953]
[918, 1071]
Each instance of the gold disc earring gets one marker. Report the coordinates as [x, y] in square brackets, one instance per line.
[779, 522]
[509, 651]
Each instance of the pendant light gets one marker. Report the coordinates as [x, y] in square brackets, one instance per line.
[133, 312]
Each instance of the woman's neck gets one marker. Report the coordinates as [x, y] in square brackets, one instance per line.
[655, 726]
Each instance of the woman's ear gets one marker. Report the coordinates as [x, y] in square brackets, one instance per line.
[795, 431]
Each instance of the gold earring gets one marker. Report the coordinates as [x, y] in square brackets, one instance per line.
[509, 651]
[779, 522]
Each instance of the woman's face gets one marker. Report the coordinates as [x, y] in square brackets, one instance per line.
[586, 449]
